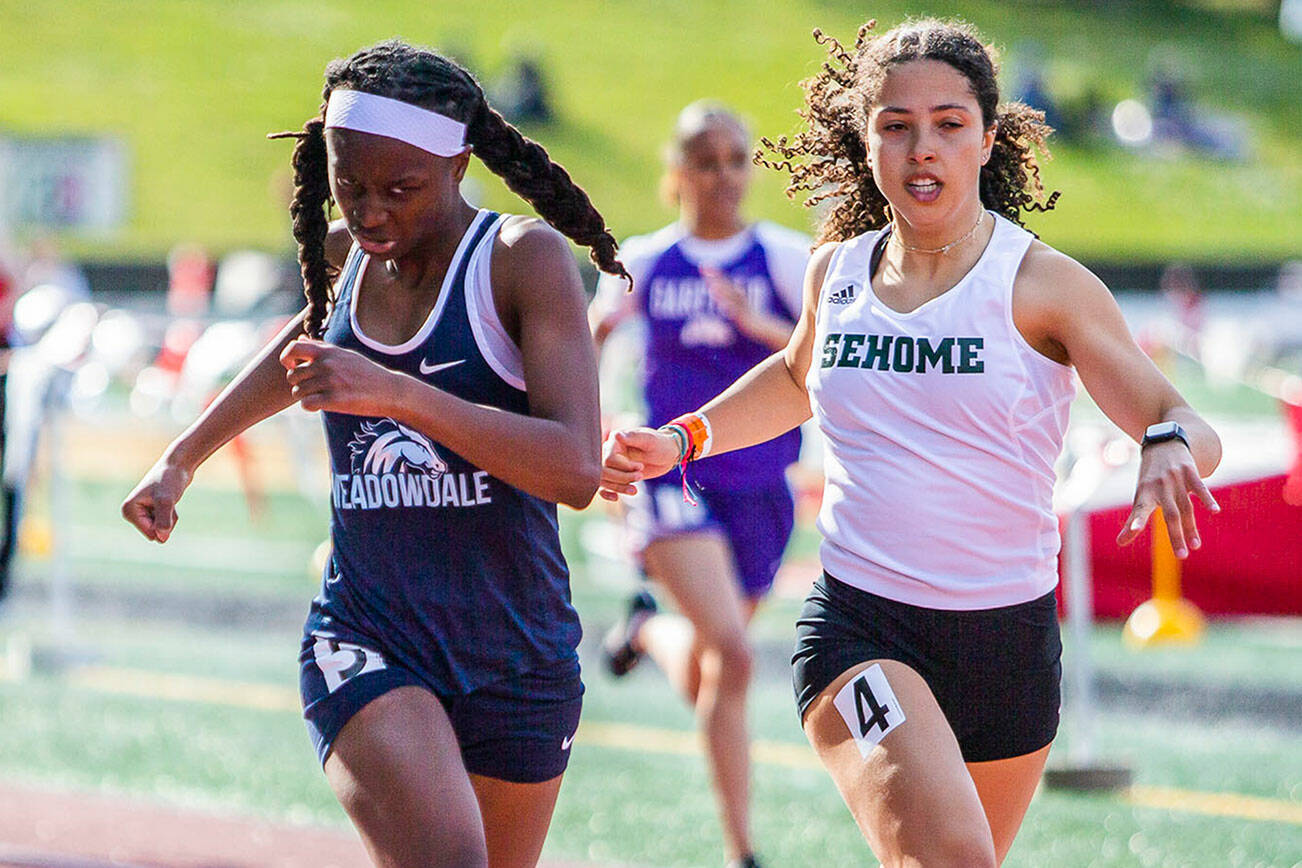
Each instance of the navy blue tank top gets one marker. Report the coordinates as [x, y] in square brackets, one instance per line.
[457, 574]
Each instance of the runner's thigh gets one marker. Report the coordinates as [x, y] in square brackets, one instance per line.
[396, 768]
[516, 818]
[697, 571]
[898, 767]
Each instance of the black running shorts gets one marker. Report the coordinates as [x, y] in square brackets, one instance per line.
[994, 672]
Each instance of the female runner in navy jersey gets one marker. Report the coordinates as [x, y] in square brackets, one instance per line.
[438, 668]
[716, 295]
[936, 349]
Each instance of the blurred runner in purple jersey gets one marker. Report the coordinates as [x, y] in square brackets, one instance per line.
[714, 295]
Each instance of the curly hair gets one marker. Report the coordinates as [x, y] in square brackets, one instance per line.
[829, 159]
[422, 77]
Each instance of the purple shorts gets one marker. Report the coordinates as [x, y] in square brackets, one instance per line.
[755, 522]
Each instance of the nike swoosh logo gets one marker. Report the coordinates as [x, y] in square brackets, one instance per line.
[566, 742]
[427, 368]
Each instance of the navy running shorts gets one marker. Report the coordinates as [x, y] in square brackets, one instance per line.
[994, 672]
[518, 729]
[756, 523]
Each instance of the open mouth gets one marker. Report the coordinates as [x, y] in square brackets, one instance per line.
[924, 188]
[375, 247]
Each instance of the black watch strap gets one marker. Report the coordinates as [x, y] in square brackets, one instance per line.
[1164, 431]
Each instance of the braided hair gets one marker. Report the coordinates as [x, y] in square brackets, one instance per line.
[421, 77]
[829, 160]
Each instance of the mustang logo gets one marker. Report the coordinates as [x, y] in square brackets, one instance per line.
[386, 446]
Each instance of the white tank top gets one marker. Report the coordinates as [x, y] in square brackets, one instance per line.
[942, 427]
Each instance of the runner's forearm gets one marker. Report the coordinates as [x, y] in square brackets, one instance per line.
[764, 403]
[548, 458]
[257, 392]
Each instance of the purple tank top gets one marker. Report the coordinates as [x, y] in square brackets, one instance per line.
[694, 352]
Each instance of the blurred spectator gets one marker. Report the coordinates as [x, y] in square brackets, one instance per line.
[1178, 120]
[1288, 324]
[1184, 296]
[1086, 116]
[8, 493]
[46, 265]
[1290, 20]
[189, 280]
[522, 93]
[1173, 112]
[1289, 283]
[250, 282]
[1031, 88]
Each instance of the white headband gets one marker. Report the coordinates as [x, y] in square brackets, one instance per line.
[395, 119]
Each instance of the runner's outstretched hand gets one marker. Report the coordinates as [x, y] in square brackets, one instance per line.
[1168, 479]
[630, 455]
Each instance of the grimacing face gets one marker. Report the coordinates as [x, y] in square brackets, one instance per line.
[391, 194]
[926, 142]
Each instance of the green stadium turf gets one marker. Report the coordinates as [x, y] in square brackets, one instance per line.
[641, 799]
[204, 716]
[148, 692]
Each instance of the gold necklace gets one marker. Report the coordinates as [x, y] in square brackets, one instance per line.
[938, 250]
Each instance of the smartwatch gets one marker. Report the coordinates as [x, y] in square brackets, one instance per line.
[1162, 432]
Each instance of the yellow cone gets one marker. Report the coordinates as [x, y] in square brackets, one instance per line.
[35, 537]
[1168, 617]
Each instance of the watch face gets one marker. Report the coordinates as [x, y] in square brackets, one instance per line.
[1161, 429]
[1163, 432]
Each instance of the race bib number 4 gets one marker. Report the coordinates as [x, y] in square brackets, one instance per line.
[869, 708]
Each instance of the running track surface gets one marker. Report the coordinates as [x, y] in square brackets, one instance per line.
[51, 829]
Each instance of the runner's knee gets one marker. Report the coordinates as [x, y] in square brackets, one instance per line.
[729, 661]
[467, 853]
[410, 838]
[435, 845]
[951, 847]
[470, 852]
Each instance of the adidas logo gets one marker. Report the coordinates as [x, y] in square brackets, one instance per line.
[844, 295]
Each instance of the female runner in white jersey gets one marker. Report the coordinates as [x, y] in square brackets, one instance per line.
[458, 385]
[715, 295]
[935, 349]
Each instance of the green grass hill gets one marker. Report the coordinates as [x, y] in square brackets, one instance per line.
[192, 86]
